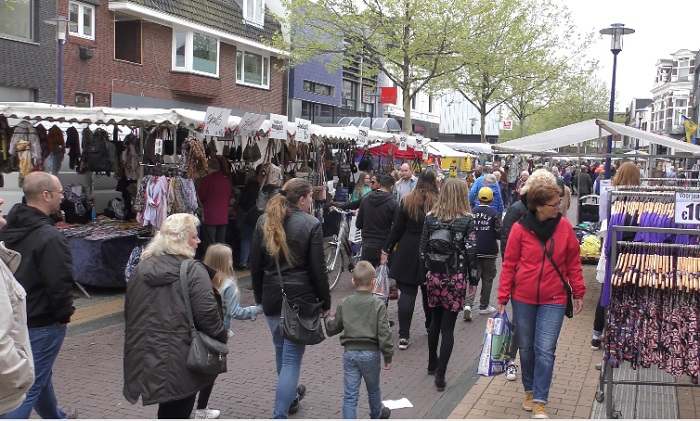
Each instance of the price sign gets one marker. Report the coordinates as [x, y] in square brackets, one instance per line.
[250, 124]
[159, 147]
[278, 126]
[687, 208]
[362, 137]
[303, 130]
[215, 121]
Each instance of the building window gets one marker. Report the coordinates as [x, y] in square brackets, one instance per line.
[196, 53]
[254, 11]
[82, 20]
[127, 39]
[83, 99]
[413, 102]
[430, 103]
[252, 69]
[318, 88]
[16, 19]
[349, 94]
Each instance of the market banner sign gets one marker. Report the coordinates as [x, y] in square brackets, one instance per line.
[388, 95]
[507, 125]
[250, 124]
[362, 136]
[403, 143]
[303, 134]
[278, 126]
[215, 121]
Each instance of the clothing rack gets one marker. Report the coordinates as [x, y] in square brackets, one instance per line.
[656, 188]
[606, 382]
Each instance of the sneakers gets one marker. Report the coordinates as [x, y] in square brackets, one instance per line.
[404, 343]
[294, 407]
[386, 413]
[487, 310]
[527, 403]
[512, 372]
[206, 414]
[595, 343]
[467, 314]
[540, 411]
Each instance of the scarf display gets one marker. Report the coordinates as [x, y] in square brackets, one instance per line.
[160, 196]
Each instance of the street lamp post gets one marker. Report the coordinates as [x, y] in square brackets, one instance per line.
[61, 24]
[616, 30]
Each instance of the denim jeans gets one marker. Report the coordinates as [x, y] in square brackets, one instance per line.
[46, 343]
[538, 331]
[288, 356]
[486, 273]
[246, 239]
[358, 365]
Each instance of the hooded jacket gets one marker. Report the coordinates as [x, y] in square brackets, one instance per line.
[376, 214]
[157, 334]
[16, 361]
[46, 270]
[528, 276]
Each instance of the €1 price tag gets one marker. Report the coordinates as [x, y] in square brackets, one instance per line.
[687, 208]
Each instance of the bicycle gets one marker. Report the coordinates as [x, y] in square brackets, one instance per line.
[336, 257]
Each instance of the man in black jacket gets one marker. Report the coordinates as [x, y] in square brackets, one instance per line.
[375, 217]
[46, 273]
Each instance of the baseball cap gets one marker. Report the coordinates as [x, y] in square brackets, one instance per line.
[485, 195]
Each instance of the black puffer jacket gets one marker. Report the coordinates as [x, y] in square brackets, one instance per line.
[515, 212]
[46, 269]
[157, 334]
[464, 235]
[307, 278]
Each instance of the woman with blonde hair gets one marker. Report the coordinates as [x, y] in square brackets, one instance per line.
[446, 284]
[405, 235]
[288, 236]
[157, 333]
[219, 258]
[361, 187]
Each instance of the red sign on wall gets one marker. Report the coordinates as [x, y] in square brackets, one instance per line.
[388, 95]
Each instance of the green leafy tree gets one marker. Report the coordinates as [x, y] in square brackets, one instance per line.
[528, 42]
[414, 42]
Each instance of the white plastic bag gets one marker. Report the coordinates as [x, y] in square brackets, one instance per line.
[495, 352]
[382, 283]
[355, 235]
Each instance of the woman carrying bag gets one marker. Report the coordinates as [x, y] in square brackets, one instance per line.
[157, 334]
[405, 264]
[288, 236]
[541, 262]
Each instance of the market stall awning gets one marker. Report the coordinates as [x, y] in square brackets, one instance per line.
[475, 148]
[383, 151]
[442, 150]
[587, 130]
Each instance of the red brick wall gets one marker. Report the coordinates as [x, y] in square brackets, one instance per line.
[102, 75]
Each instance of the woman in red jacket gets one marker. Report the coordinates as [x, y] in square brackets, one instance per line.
[529, 277]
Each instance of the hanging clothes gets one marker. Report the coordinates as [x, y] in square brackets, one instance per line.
[25, 145]
[160, 196]
[57, 150]
[131, 156]
[73, 143]
[193, 161]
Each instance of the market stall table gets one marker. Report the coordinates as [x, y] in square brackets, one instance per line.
[101, 251]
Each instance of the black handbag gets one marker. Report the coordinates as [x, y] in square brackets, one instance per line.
[206, 355]
[300, 321]
[569, 312]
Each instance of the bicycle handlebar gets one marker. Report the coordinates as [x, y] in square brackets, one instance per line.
[341, 211]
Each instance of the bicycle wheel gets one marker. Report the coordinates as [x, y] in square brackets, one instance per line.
[334, 264]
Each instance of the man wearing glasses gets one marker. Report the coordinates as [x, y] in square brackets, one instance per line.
[46, 273]
[354, 205]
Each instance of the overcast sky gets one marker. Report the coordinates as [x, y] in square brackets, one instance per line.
[661, 28]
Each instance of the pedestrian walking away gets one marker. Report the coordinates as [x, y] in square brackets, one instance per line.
[405, 264]
[488, 231]
[375, 217]
[289, 236]
[214, 192]
[46, 274]
[541, 255]
[448, 257]
[366, 339]
[156, 341]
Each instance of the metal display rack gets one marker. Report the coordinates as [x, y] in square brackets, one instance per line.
[606, 382]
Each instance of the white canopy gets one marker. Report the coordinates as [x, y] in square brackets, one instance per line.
[443, 151]
[587, 130]
[475, 148]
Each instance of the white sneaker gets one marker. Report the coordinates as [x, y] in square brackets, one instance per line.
[512, 372]
[487, 310]
[467, 314]
[206, 414]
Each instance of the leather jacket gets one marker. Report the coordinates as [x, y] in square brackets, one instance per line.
[306, 278]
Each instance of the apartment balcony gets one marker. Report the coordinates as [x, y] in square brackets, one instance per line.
[193, 85]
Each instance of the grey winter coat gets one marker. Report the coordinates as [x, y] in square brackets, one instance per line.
[157, 334]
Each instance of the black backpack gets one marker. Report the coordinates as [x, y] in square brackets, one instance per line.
[97, 152]
[441, 254]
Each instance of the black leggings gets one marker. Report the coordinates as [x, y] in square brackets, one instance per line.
[204, 393]
[599, 320]
[179, 409]
[407, 303]
[443, 323]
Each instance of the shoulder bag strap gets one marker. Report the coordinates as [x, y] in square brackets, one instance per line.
[185, 291]
[551, 260]
[279, 274]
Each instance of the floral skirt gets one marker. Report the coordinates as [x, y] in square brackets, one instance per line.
[446, 291]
